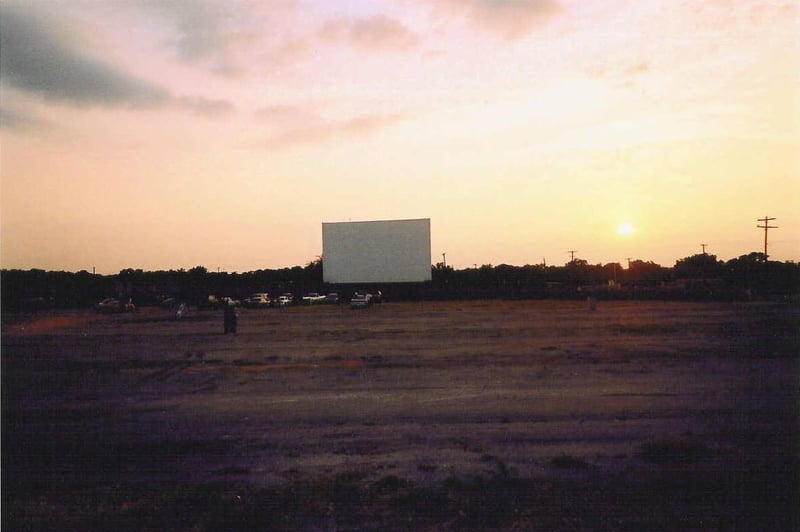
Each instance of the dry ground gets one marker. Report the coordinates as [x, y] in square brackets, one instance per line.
[457, 415]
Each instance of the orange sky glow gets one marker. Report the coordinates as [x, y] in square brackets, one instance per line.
[166, 135]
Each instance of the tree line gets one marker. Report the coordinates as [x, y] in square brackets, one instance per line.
[700, 276]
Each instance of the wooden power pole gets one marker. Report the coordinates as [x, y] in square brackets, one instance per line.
[766, 227]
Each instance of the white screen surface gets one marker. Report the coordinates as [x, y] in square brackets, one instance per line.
[388, 251]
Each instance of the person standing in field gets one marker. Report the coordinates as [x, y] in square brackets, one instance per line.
[229, 318]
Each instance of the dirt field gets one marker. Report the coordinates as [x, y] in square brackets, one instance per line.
[422, 416]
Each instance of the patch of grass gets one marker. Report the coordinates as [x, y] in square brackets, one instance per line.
[674, 450]
[338, 435]
[395, 365]
[349, 502]
[566, 461]
[390, 484]
[644, 329]
[233, 470]
[270, 446]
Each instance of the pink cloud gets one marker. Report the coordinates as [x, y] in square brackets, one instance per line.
[208, 107]
[375, 33]
[286, 55]
[283, 118]
[315, 130]
[511, 19]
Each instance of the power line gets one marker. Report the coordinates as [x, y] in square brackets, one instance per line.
[766, 227]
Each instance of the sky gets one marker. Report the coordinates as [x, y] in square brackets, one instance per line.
[223, 133]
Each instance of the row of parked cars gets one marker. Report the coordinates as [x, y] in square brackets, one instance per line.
[262, 299]
[359, 299]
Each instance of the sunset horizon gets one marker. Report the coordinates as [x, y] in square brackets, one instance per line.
[224, 134]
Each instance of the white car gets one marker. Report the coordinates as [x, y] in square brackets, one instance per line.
[257, 300]
[284, 300]
[313, 298]
[113, 304]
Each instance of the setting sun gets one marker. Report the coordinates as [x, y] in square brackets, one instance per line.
[625, 229]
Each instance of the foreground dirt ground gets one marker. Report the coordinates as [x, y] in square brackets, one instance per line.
[457, 415]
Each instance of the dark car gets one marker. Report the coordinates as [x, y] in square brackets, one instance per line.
[361, 300]
[113, 304]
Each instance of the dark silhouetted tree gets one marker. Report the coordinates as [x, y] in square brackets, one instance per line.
[700, 266]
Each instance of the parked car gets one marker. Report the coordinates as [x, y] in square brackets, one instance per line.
[226, 301]
[113, 304]
[361, 300]
[257, 300]
[284, 300]
[332, 298]
[313, 298]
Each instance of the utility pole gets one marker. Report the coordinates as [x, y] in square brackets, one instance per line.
[766, 227]
[444, 259]
[572, 253]
[704, 248]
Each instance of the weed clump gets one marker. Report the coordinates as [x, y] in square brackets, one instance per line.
[672, 450]
[565, 461]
